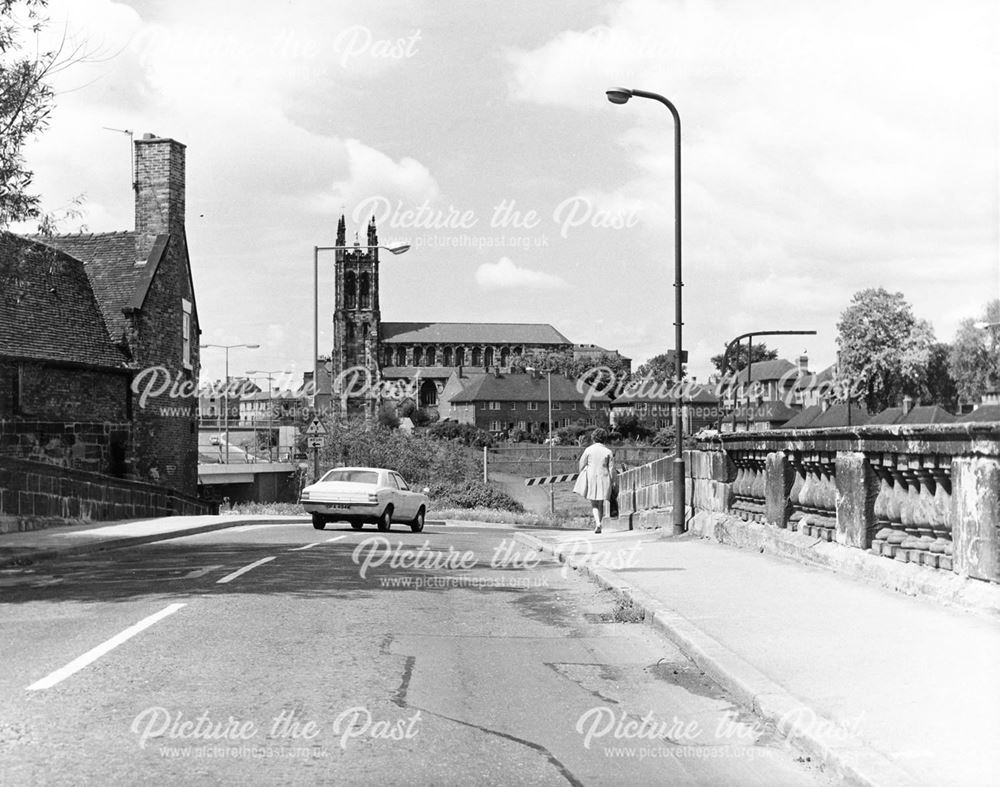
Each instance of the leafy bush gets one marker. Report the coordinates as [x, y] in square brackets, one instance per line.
[472, 494]
[466, 434]
[574, 434]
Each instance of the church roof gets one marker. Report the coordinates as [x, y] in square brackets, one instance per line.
[520, 387]
[412, 372]
[470, 333]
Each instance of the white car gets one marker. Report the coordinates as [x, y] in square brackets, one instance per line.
[364, 494]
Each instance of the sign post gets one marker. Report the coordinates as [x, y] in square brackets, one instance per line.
[316, 439]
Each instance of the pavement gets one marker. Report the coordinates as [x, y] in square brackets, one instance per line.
[883, 688]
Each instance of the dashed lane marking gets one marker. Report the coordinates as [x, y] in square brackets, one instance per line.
[230, 577]
[94, 654]
[307, 546]
[335, 538]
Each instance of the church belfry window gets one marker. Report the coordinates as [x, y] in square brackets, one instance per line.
[365, 291]
[350, 291]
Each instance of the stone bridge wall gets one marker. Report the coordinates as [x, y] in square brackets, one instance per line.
[928, 495]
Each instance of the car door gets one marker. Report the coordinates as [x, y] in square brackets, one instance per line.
[407, 508]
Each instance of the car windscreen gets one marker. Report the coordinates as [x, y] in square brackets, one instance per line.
[355, 476]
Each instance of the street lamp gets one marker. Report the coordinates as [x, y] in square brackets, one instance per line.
[227, 348]
[270, 405]
[392, 248]
[548, 380]
[621, 95]
[725, 366]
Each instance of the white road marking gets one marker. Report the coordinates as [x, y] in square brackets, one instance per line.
[198, 572]
[335, 538]
[95, 653]
[307, 546]
[230, 577]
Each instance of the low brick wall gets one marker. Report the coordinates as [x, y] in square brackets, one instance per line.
[928, 495]
[34, 495]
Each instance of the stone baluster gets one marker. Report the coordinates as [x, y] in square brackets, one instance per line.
[941, 522]
[794, 496]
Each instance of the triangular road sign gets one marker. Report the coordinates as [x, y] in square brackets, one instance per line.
[316, 427]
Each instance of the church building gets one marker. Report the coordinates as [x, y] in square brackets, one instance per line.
[398, 360]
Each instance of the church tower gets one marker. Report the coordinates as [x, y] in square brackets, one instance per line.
[356, 317]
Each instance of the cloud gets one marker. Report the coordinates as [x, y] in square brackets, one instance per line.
[505, 275]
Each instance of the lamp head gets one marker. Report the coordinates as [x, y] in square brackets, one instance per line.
[618, 95]
[398, 248]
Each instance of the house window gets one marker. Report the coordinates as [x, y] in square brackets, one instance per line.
[513, 405]
[186, 333]
[496, 426]
[494, 405]
[532, 405]
[556, 405]
[572, 406]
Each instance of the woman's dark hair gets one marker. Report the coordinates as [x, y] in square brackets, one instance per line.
[599, 436]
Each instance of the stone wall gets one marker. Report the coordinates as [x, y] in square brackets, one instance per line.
[99, 447]
[35, 495]
[927, 495]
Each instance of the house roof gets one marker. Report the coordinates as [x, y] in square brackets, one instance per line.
[811, 379]
[805, 418]
[519, 388]
[766, 370]
[771, 411]
[664, 392]
[922, 414]
[470, 333]
[47, 307]
[985, 412]
[837, 415]
[109, 259]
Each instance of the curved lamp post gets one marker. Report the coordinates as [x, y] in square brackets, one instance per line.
[392, 248]
[227, 348]
[621, 95]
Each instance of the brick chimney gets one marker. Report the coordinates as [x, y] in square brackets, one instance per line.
[907, 405]
[159, 189]
[803, 364]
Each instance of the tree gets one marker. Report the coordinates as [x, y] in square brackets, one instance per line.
[974, 357]
[738, 357]
[883, 348]
[607, 373]
[660, 368]
[26, 100]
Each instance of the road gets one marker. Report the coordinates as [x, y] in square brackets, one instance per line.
[280, 654]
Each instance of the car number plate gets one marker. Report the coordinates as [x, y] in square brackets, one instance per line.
[340, 505]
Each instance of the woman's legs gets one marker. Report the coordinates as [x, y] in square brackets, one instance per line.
[597, 509]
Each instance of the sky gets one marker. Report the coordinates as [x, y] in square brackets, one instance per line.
[826, 148]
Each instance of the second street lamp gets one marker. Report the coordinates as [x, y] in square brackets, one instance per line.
[621, 95]
[227, 348]
[551, 437]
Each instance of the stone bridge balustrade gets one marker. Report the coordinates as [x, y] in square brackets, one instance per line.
[913, 509]
[924, 495]
[750, 485]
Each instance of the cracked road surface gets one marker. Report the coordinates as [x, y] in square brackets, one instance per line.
[280, 654]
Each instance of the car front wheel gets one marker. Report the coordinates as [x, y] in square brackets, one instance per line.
[385, 521]
[417, 525]
[319, 521]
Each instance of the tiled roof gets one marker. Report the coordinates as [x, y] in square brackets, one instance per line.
[923, 414]
[805, 418]
[470, 333]
[767, 370]
[837, 415]
[807, 381]
[664, 392]
[772, 411]
[985, 412]
[520, 388]
[109, 259]
[47, 307]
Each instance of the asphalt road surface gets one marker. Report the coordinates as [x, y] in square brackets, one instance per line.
[280, 654]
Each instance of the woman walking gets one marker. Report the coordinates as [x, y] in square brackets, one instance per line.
[597, 469]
